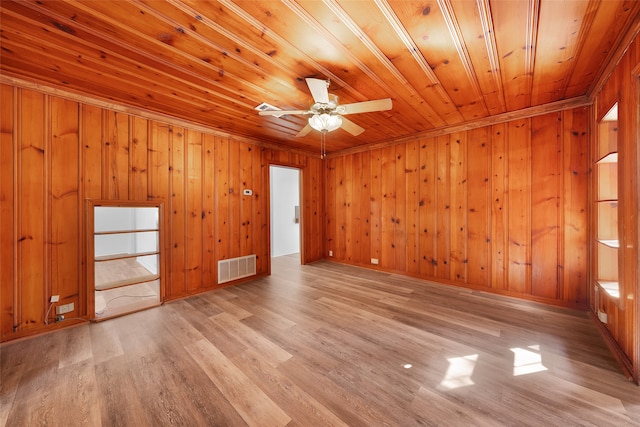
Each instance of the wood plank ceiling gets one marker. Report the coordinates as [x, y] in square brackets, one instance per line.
[444, 63]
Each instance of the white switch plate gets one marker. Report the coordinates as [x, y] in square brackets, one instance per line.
[602, 316]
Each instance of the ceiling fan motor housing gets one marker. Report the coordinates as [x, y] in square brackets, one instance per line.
[325, 108]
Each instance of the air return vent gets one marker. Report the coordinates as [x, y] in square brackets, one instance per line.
[236, 268]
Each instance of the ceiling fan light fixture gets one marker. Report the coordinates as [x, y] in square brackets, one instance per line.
[325, 122]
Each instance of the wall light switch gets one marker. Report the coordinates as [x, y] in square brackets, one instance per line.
[247, 192]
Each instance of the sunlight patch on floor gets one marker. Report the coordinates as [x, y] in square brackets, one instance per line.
[527, 360]
[459, 372]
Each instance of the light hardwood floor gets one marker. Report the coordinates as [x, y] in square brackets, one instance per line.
[322, 344]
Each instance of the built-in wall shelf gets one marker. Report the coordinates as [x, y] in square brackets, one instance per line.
[611, 288]
[610, 158]
[126, 282]
[125, 269]
[605, 212]
[100, 233]
[113, 257]
[610, 243]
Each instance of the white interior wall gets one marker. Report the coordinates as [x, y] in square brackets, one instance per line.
[285, 196]
[107, 218]
[110, 219]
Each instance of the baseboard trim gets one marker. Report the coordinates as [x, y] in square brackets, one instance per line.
[620, 356]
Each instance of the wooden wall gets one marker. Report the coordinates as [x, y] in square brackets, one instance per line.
[501, 208]
[623, 323]
[55, 153]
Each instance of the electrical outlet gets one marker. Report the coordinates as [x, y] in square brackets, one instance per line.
[330, 253]
[55, 298]
[66, 308]
[374, 261]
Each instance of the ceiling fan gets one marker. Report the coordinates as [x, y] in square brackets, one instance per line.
[327, 114]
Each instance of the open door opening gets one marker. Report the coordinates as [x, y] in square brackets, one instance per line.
[285, 216]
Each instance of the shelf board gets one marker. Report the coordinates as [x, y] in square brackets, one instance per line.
[126, 282]
[611, 288]
[123, 256]
[125, 309]
[609, 158]
[146, 230]
[615, 244]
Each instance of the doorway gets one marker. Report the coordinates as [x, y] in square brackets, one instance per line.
[284, 190]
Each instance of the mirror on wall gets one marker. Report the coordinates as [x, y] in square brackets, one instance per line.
[125, 272]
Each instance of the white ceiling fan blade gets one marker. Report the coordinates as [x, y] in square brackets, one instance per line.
[351, 127]
[279, 113]
[319, 90]
[305, 130]
[366, 106]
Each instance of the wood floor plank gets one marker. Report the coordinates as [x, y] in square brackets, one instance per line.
[304, 409]
[86, 403]
[252, 339]
[253, 405]
[75, 347]
[439, 410]
[323, 344]
[8, 390]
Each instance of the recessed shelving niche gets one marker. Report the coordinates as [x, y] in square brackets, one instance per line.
[124, 272]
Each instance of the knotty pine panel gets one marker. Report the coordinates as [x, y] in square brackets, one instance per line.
[138, 153]
[313, 247]
[478, 208]
[388, 207]
[472, 197]
[115, 169]
[56, 153]
[546, 191]
[7, 209]
[235, 194]
[158, 186]
[246, 162]
[222, 207]
[458, 206]
[575, 149]
[91, 137]
[427, 212]
[499, 207]
[33, 280]
[400, 223]
[519, 202]
[330, 205]
[177, 232]
[209, 266]
[64, 245]
[412, 205]
[194, 211]
[352, 220]
[375, 207]
[443, 206]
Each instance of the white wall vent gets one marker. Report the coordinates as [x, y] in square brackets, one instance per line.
[236, 268]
